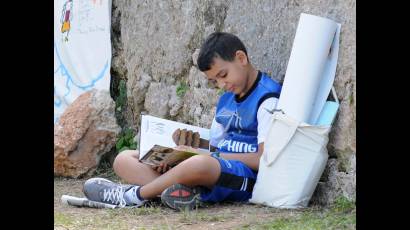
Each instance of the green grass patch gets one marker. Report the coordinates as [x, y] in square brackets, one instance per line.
[182, 88]
[196, 216]
[126, 140]
[311, 221]
[342, 215]
[89, 221]
[61, 219]
[141, 211]
[342, 204]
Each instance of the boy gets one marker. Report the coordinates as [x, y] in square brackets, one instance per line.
[237, 133]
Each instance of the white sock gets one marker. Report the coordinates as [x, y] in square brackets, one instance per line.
[132, 198]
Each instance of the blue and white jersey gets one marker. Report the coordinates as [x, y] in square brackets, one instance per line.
[235, 128]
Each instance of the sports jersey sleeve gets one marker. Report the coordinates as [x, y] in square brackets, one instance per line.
[216, 133]
[263, 117]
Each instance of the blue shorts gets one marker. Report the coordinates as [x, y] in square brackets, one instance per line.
[234, 184]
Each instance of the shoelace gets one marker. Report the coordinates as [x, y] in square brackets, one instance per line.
[115, 195]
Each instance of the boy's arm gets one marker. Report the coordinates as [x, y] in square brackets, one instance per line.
[250, 159]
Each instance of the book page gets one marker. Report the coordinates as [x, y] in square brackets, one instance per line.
[158, 131]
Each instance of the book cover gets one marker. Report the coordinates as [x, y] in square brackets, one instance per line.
[156, 137]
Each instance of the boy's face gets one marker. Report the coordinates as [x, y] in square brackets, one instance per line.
[230, 76]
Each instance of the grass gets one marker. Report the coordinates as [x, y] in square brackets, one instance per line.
[197, 216]
[68, 221]
[312, 220]
[341, 215]
[104, 170]
[63, 219]
[126, 140]
[147, 210]
[342, 204]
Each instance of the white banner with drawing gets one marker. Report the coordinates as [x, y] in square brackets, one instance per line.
[82, 49]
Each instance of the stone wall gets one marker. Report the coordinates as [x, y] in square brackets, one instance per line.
[153, 44]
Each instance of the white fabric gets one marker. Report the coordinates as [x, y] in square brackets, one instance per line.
[263, 117]
[131, 197]
[295, 152]
[327, 79]
[311, 68]
[82, 49]
[216, 133]
[293, 160]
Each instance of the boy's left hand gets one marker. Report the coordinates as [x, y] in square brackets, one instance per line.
[186, 137]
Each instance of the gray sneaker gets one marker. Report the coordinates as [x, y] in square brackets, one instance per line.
[106, 191]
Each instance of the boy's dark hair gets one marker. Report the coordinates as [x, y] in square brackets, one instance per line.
[219, 44]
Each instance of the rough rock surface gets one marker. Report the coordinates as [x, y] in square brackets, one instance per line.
[154, 49]
[85, 132]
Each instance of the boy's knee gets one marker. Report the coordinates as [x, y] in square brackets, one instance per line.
[200, 164]
[200, 170]
[118, 161]
[129, 152]
[123, 158]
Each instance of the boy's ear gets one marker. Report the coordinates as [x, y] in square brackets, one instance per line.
[241, 57]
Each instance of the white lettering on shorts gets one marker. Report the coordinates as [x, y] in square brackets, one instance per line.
[228, 165]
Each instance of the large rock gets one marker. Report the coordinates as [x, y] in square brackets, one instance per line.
[337, 182]
[85, 132]
[155, 48]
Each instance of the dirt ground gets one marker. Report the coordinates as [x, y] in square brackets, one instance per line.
[157, 216]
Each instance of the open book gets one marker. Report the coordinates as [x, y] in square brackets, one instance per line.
[170, 156]
[156, 143]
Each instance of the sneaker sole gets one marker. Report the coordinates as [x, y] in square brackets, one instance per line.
[180, 197]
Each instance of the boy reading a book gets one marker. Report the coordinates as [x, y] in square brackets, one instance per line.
[237, 138]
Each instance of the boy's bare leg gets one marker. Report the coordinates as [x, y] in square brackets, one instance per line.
[197, 170]
[127, 166]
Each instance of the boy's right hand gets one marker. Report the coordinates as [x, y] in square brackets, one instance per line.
[162, 168]
[186, 137]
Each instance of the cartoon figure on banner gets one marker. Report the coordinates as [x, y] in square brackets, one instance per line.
[66, 16]
[95, 2]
